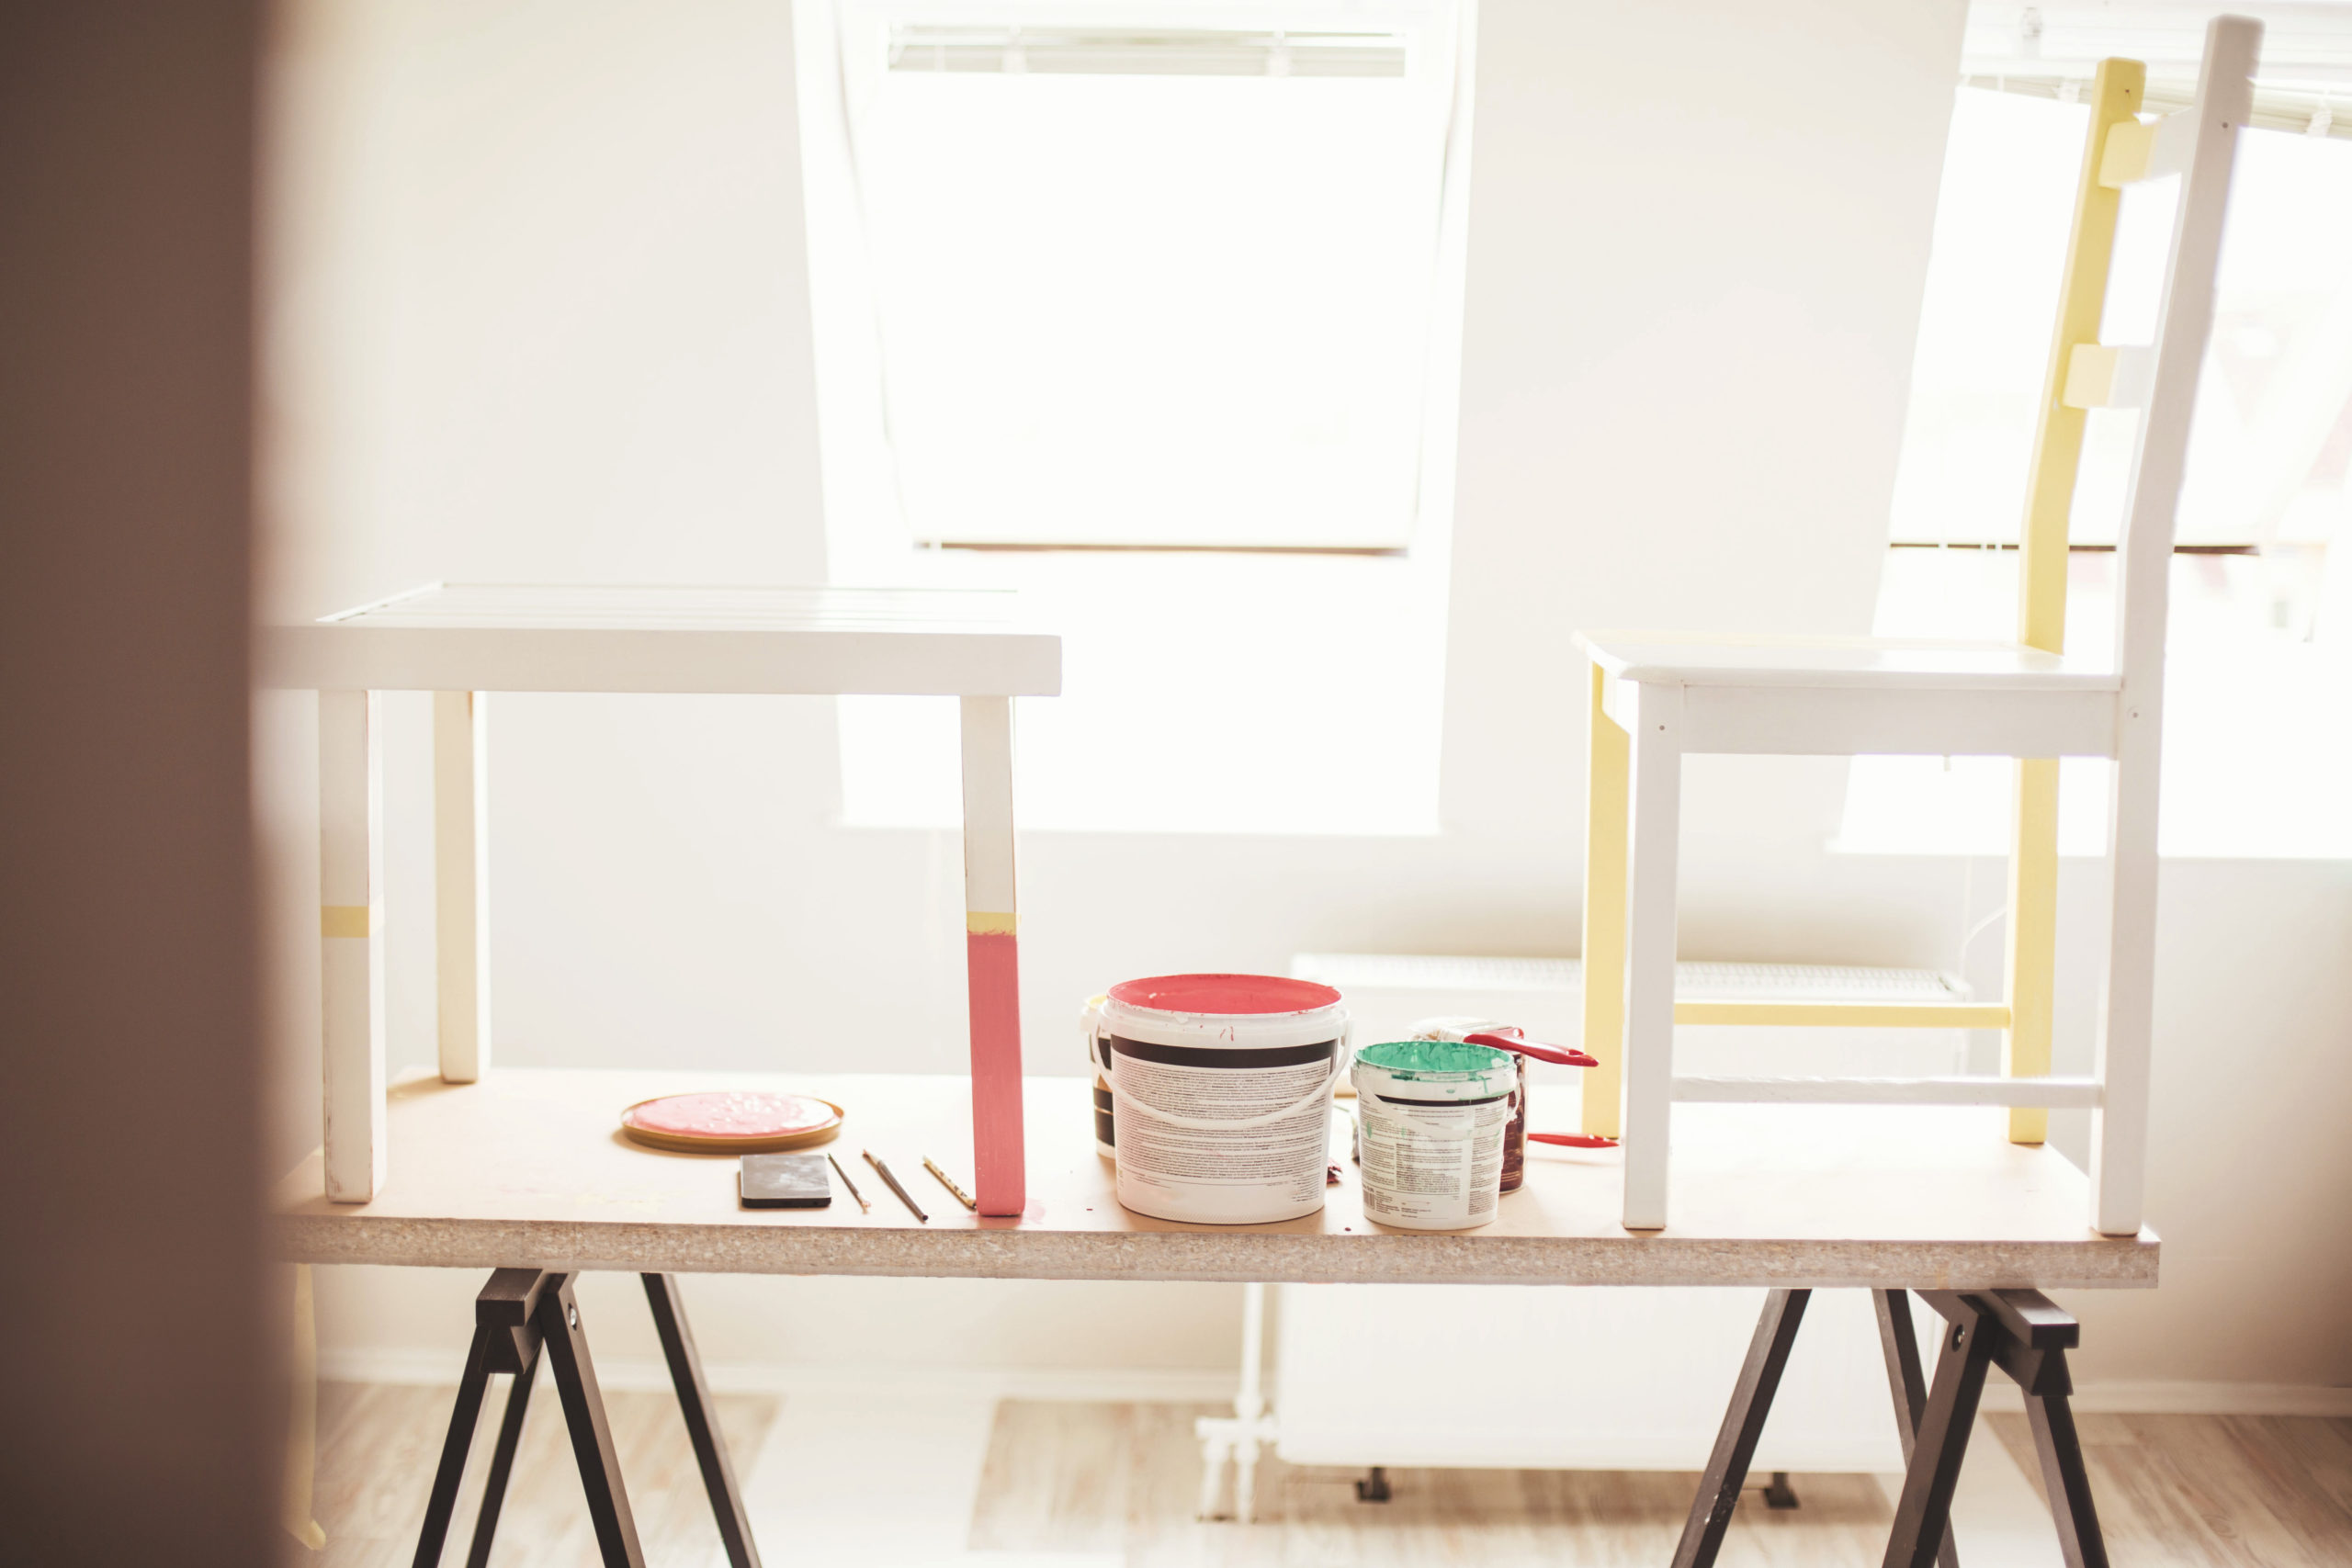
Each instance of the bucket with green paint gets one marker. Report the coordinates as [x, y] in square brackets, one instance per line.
[1432, 1116]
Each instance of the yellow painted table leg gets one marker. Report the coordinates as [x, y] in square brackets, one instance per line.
[1604, 917]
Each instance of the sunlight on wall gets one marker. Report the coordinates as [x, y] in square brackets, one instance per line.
[1200, 694]
[2258, 757]
[2257, 736]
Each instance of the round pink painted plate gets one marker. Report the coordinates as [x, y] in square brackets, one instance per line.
[736, 1122]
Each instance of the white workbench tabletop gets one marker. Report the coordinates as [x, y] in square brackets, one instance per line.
[451, 637]
[530, 1168]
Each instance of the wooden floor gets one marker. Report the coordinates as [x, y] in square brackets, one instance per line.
[2262, 1490]
[379, 1445]
[1117, 1483]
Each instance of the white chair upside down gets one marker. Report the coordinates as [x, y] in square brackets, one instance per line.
[1658, 697]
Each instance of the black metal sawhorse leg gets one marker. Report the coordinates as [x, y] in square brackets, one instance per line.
[2022, 1332]
[2026, 1335]
[1908, 1382]
[520, 1313]
[1751, 1401]
[702, 1423]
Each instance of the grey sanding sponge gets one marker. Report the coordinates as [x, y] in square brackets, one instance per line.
[785, 1181]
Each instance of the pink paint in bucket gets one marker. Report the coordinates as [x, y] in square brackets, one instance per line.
[1221, 1094]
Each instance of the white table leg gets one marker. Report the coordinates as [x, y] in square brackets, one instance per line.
[2127, 1007]
[1656, 809]
[351, 929]
[992, 956]
[462, 882]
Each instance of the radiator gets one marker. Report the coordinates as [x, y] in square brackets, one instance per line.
[1594, 1378]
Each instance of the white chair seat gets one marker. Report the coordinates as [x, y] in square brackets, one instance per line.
[1855, 696]
[1694, 659]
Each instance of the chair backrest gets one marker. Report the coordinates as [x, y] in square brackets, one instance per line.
[2116, 94]
[2200, 142]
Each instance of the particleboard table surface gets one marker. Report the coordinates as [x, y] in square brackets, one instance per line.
[529, 1168]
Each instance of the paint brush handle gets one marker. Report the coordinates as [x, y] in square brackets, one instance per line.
[1572, 1140]
[914, 1208]
[1565, 1055]
[863, 1206]
[949, 1182]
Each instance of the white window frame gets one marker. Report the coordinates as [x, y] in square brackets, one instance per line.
[1355, 639]
[871, 524]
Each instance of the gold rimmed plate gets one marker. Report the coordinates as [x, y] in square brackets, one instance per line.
[732, 1122]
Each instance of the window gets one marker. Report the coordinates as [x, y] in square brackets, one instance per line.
[1135, 282]
[2258, 751]
[1151, 310]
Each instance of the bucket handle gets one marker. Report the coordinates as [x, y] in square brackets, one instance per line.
[1219, 1125]
[1444, 1131]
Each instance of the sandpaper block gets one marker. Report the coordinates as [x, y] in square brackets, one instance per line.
[785, 1181]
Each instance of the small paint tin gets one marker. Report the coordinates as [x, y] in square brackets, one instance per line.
[1433, 1115]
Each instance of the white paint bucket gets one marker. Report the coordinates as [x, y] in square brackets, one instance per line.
[1432, 1114]
[1221, 1094]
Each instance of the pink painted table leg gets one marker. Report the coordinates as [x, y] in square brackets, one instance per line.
[995, 976]
[992, 962]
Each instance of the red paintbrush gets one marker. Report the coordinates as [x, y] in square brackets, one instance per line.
[1507, 1038]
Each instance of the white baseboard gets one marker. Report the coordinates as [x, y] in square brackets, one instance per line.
[1108, 1385]
[1149, 1385]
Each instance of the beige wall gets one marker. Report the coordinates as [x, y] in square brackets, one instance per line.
[542, 313]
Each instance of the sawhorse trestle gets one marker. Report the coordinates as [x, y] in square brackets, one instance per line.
[520, 1313]
[2021, 1332]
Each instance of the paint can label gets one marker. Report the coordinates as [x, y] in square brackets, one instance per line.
[1209, 1125]
[1433, 1166]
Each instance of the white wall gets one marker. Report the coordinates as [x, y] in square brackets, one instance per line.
[540, 312]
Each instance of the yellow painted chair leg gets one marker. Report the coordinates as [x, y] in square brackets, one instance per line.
[1606, 814]
[2033, 939]
[2116, 95]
